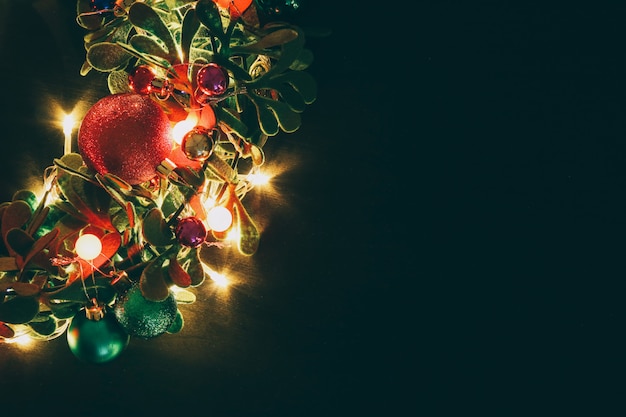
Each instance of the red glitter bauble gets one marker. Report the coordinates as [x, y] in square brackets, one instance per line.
[127, 135]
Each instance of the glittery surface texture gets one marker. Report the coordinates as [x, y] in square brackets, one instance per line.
[144, 318]
[127, 135]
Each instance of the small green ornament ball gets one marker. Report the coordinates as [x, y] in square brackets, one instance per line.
[96, 341]
[142, 317]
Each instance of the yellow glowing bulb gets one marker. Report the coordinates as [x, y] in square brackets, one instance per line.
[88, 247]
[182, 128]
[68, 124]
[219, 279]
[259, 178]
[219, 219]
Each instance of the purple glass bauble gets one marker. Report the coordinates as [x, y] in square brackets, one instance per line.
[191, 232]
[212, 80]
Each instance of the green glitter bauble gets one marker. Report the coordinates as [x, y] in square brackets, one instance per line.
[144, 318]
[96, 341]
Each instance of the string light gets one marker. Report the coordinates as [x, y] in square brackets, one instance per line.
[88, 247]
[68, 125]
[219, 219]
[134, 218]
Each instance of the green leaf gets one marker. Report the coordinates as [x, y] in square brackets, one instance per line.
[117, 81]
[177, 274]
[190, 261]
[209, 16]
[190, 27]
[23, 289]
[177, 325]
[155, 229]
[75, 292]
[152, 282]
[146, 45]
[275, 38]
[19, 310]
[40, 245]
[107, 56]
[300, 81]
[8, 264]
[288, 119]
[249, 235]
[44, 328]
[144, 17]
[16, 215]
[65, 310]
[19, 241]
[225, 116]
[27, 196]
[6, 331]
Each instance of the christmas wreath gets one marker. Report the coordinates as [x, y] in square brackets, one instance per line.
[112, 245]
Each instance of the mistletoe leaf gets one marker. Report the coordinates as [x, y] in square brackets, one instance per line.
[179, 276]
[74, 292]
[65, 310]
[40, 245]
[6, 331]
[146, 45]
[24, 289]
[151, 59]
[16, 215]
[191, 263]
[45, 327]
[107, 56]
[8, 264]
[275, 38]
[19, 242]
[153, 283]
[233, 123]
[249, 235]
[144, 17]
[155, 229]
[209, 15]
[19, 310]
[177, 325]
[190, 27]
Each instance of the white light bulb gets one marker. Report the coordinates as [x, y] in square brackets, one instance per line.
[219, 219]
[88, 247]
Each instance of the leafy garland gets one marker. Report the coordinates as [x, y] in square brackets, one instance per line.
[43, 283]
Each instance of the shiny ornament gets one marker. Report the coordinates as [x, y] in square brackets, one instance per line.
[140, 80]
[198, 143]
[125, 134]
[144, 318]
[190, 232]
[235, 7]
[97, 339]
[212, 80]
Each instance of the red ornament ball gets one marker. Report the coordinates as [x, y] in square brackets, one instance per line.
[127, 135]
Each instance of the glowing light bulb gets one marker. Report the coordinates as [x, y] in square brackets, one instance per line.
[68, 126]
[183, 127]
[219, 279]
[258, 178]
[88, 247]
[219, 219]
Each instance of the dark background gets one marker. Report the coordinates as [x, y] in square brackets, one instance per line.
[448, 239]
